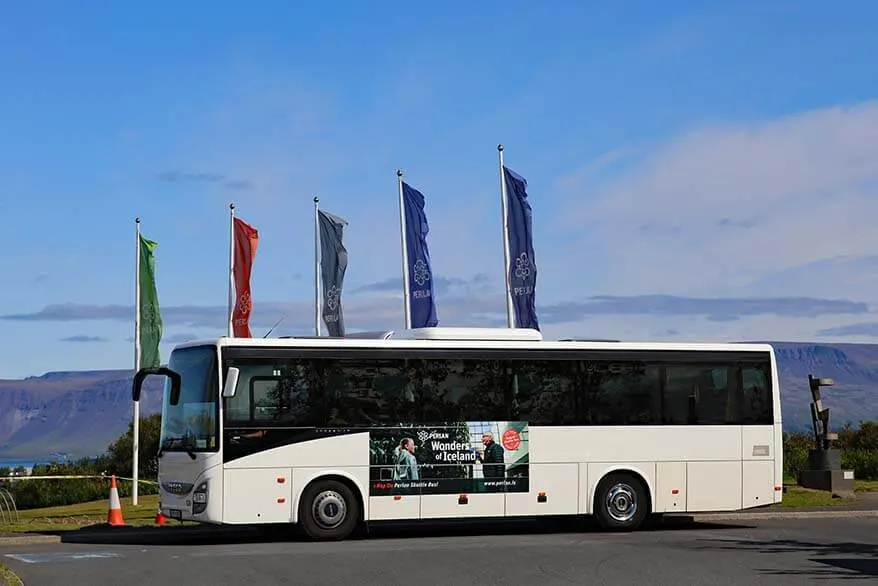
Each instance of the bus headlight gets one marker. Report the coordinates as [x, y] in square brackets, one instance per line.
[199, 498]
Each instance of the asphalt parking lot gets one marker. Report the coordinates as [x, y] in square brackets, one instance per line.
[740, 552]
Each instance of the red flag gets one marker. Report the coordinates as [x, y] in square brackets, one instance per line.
[246, 241]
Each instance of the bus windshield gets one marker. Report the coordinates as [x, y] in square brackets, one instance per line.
[191, 425]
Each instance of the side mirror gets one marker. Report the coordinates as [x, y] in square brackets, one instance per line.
[231, 384]
[140, 376]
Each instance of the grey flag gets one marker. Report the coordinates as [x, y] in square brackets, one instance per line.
[333, 264]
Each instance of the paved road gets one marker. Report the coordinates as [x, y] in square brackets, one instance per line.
[772, 552]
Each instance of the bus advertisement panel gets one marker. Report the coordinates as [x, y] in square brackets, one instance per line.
[463, 457]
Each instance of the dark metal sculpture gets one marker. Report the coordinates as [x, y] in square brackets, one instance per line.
[823, 470]
[819, 414]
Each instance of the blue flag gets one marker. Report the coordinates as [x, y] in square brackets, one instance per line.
[523, 268]
[334, 263]
[422, 304]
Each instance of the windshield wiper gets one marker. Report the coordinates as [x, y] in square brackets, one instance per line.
[176, 440]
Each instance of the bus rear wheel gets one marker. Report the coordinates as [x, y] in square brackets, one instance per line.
[328, 511]
[621, 502]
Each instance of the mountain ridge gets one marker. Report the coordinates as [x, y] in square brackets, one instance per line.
[80, 413]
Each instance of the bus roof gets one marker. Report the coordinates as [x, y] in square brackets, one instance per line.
[468, 337]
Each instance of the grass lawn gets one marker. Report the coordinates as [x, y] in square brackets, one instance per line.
[866, 485]
[7, 578]
[796, 496]
[77, 516]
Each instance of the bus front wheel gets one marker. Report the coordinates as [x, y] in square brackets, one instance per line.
[621, 502]
[328, 511]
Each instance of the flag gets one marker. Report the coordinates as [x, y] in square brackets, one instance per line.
[522, 262]
[150, 325]
[333, 264]
[422, 301]
[246, 242]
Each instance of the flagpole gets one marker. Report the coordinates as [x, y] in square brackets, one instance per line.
[231, 266]
[510, 315]
[135, 456]
[316, 265]
[405, 256]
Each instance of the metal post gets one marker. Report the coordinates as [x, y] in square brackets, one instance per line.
[510, 314]
[135, 456]
[317, 297]
[405, 255]
[231, 330]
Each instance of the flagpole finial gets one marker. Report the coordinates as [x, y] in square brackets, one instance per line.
[137, 220]
[500, 147]
[316, 199]
[399, 172]
[231, 206]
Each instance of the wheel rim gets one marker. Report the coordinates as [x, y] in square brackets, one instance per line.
[329, 509]
[622, 502]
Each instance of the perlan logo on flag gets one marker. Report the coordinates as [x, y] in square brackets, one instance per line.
[522, 267]
[421, 272]
[332, 298]
[244, 303]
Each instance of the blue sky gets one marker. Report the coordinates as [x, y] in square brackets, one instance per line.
[697, 170]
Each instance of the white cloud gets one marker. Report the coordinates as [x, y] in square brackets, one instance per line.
[723, 208]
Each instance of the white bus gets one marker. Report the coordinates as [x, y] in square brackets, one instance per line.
[448, 423]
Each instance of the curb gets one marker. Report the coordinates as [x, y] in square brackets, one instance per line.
[842, 514]
[29, 540]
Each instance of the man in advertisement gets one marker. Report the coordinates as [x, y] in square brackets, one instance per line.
[406, 463]
[492, 457]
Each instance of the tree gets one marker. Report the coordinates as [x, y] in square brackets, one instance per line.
[121, 451]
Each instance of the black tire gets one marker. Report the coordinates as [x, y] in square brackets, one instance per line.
[621, 502]
[328, 511]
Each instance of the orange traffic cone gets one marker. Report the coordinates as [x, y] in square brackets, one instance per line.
[160, 518]
[114, 515]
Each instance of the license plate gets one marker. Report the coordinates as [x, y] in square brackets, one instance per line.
[175, 514]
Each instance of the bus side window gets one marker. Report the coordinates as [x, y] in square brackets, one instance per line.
[619, 393]
[265, 404]
[272, 394]
[544, 392]
[701, 394]
[365, 392]
[237, 408]
[394, 390]
[681, 395]
[756, 403]
[460, 390]
[424, 377]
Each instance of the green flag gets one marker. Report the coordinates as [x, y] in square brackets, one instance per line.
[150, 316]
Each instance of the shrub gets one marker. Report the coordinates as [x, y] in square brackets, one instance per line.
[859, 450]
[31, 494]
[795, 452]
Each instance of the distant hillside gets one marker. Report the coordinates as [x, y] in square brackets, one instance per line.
[854, 368]
[77, 413]
[80, 413]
